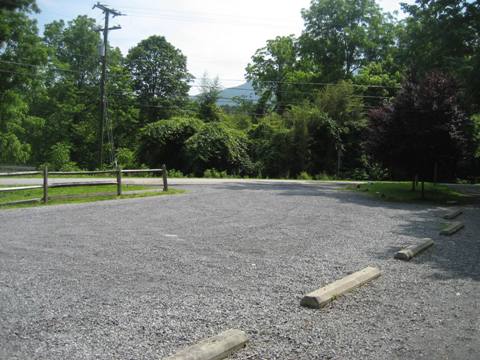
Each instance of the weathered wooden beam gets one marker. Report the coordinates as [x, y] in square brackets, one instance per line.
[96, 172]
[17, 188]
[20, 173]
[321, 297]
[214, 348]
[413, 250]
[139, 171]
[98, 183]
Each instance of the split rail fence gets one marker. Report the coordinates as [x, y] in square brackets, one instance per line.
[46, 185]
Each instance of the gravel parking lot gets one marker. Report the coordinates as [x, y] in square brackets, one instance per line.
[142, 278]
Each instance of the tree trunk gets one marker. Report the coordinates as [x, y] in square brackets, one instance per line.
[414, 183]
[423, 189]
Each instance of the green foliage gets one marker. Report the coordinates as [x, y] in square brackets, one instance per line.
[343, 105]
[314, 92]
[160, 77]
[173, 173]
[341, 36]
[304, 176]
[272, 69]
[443, 35]
[13, 147]
[215, 174]
[126, 158]
[401, 192]
[217, 146]
[163, 142]
[323, 176]
[270, 147]
[59, 158]
[208, 109]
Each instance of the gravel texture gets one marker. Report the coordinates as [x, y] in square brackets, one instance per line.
[142, 278]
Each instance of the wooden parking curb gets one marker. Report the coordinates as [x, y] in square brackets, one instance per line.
[214, 348]
[453, 214]
[321, 297]
[452, 228]
[410, 251]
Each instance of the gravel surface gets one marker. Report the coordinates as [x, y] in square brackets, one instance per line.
[142, 278]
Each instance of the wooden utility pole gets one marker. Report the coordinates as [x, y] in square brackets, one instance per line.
[103, 81]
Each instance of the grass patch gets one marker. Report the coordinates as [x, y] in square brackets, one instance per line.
[401, 192]
[80, 194]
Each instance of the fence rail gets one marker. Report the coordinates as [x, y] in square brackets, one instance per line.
[46, 185]
[20, 173]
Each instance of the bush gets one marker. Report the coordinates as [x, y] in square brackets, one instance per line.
[304, 176]
[216, 146]
[59, 158]
[126, 158]
[324, 176]
[215, 174]
[175, 173]
[163, 142]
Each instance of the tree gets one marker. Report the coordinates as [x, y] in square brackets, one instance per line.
[274, 70]
[70, 104]
[380, 81]
[160, 78]
[426, 116]
[314, 140]
[341, 36]
[207, 99]
[22, 58]
[11, 14]
[443, 35]
[269, 148]
[344, 107]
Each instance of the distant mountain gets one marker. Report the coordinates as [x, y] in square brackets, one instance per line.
[244, 91]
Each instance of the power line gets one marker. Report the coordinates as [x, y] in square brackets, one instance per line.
[205, 19]
[238, 80]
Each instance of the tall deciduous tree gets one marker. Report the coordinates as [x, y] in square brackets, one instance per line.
[443, 35]
[70, 105]
[275, 69]
[160, 78]
[341, 36]
[22, 57]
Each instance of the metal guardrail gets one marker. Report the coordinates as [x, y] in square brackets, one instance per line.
[45, 174]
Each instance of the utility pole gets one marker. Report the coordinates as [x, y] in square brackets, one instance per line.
[103, 96]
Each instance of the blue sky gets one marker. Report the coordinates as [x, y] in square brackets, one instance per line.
[217, 36]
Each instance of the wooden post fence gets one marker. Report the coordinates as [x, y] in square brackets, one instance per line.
[119, 181]
[45, 184]
[118, 171]
[164, 175]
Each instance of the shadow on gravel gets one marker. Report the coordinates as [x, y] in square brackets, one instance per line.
[453, 257]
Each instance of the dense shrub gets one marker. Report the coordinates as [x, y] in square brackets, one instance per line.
[163, 142]
[220, 147]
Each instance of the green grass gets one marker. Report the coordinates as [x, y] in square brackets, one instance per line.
[79, 194]
[401, 192]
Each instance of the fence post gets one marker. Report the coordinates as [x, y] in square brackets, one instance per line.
[119, 181]
[45, 184]
[164, 175]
